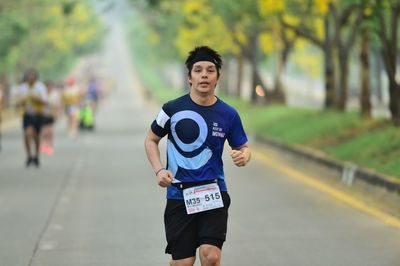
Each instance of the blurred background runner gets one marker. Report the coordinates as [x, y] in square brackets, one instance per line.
[31, 99]
[71, 98]
[51, 113]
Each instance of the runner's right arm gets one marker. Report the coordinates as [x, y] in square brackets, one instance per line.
[164, 176]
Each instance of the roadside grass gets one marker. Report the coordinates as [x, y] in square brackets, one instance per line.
[378, 149]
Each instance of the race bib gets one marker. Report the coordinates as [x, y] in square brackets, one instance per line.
[202, 198]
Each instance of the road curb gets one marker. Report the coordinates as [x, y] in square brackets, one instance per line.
[349, 173]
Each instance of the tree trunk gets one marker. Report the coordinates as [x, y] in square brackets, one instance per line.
[279, 88]
[394, 102]
[329, 68]
[278, 93]
[378, 76]
[365, 91]
[256, 78]
[343, 79]
[240, 66]
[389, 53]
[341, 19]
[224, 78]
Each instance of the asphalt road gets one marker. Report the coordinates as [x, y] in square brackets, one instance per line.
[96, 201]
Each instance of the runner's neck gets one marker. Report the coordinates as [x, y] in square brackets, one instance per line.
[206, 100]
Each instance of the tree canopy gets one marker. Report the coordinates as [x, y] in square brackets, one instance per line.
[47, 35]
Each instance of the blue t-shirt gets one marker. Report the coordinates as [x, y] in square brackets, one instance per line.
[196, 137]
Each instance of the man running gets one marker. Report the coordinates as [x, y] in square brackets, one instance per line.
[31, 97]
[197, 125]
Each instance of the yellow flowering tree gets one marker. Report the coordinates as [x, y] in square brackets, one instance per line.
[329, 25]
[54, 33]
[277, 40]
[201, 26]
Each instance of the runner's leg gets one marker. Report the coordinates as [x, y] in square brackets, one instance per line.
[210, 255]
[184, 262]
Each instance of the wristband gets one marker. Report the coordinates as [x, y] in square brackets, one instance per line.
[159, 170]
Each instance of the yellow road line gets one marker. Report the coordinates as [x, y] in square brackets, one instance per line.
[337, 194]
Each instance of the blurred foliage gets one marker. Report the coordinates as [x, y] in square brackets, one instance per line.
[318, 39]
[147, 60]
[202, 27]
[229, 25]
[47, 35]
[224, 24]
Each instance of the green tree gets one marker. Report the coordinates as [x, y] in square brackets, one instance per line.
[387, 14]
[345, 32]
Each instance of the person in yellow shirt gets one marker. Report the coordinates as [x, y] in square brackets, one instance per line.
[31, 98]
[71, 98]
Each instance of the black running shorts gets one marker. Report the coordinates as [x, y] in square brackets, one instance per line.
[185, 233]
[47, 120]
[35, 121]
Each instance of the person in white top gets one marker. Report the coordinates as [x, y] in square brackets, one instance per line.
[50, 115]
[31, 98]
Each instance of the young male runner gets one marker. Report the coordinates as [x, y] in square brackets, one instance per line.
[197, 125]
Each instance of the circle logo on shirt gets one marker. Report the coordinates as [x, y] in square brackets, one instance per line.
[175, 158]
[203, 131]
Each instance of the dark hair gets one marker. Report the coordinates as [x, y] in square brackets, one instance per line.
[28, 72]
[203, 53]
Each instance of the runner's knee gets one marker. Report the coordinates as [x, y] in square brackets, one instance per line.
[183, 262]
[29, 132]
[210, 255]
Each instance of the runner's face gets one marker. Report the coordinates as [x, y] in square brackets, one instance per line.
[204, 77]
[31, 79]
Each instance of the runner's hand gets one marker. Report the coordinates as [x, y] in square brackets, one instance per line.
[165, 178]
[238, 158]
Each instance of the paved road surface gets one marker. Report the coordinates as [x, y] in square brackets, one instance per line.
[96, 201]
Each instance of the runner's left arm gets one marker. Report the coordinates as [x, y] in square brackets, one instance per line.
[241, 155]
